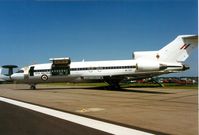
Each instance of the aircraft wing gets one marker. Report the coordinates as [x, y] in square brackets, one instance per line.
[135, 76]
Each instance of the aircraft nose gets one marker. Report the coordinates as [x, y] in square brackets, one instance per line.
[17, 76]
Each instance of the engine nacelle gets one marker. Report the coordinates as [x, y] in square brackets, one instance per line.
[149, 66]
[153, 55]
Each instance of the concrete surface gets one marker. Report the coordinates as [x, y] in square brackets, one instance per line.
[20, 121]
[170, 111]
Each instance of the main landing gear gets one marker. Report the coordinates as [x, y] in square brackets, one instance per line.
[113, 83]
[114, 86]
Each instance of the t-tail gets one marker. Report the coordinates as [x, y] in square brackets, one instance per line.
[179, 49]
[176, 51]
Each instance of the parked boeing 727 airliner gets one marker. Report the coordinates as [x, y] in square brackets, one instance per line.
[146, 64]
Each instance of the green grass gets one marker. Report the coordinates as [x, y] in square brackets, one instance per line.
[78, 84]
[166, 85]
[189, 86]
[141, 85]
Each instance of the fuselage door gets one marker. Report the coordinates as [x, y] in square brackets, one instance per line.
[31, 71]
[60, 66]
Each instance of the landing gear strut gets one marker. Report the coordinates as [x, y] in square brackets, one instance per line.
[32, 86]
[158, 82]
[114, 84]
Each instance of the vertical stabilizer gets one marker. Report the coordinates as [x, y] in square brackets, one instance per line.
[179, 49]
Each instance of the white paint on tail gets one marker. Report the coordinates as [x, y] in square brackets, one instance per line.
[176, 51]
[179, 49]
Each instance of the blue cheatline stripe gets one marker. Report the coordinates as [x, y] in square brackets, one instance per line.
[88, 122]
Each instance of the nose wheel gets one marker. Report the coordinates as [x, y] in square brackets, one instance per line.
[33, 86]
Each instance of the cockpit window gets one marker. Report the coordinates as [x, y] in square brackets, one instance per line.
[20, 71]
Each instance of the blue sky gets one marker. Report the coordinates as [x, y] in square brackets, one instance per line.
[34, 31]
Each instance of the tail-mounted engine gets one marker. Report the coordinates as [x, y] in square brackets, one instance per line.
[149, 66]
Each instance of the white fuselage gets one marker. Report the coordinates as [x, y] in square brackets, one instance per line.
[145, 64]
[91, 71]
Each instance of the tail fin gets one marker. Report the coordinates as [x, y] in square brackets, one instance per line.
[179, 49]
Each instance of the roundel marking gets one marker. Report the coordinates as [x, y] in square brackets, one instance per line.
[44, 77]
[157, 56]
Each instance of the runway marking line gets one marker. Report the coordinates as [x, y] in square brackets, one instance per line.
[88, 122]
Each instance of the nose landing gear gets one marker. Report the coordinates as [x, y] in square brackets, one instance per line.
[33, 86]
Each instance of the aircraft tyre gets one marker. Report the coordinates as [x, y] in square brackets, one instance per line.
[114, 86]
[32, 87]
